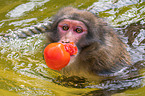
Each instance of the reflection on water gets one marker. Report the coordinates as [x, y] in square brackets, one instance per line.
[135, 34]
[21, 9]
[24, 72]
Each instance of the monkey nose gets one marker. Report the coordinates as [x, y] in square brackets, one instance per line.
[65, 41]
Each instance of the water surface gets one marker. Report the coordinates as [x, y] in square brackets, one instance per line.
[23, 70]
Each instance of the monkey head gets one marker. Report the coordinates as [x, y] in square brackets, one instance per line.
[77, 26]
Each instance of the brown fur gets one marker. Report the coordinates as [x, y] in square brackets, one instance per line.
[101, 51]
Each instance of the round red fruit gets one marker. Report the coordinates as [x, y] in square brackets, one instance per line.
[56, 57]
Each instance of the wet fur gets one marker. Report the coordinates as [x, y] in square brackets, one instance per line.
[101, 52]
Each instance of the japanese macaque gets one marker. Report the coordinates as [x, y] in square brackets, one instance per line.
[101, 52]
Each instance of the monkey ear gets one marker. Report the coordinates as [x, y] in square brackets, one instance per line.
[102, 22]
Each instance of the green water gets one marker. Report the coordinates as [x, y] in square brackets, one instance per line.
[23, 71]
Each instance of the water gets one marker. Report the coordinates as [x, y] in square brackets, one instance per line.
[23, 70]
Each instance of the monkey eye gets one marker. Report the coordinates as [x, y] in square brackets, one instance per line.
[65, 27]
[79, 30]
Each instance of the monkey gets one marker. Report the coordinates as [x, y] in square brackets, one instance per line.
[101, 51]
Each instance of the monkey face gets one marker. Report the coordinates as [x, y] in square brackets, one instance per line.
[71, 30]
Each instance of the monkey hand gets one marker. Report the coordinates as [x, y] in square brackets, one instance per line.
[57, 55]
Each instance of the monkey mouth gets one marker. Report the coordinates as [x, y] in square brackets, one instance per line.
[71, 48]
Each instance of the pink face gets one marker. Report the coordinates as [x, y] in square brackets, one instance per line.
[71, 30]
